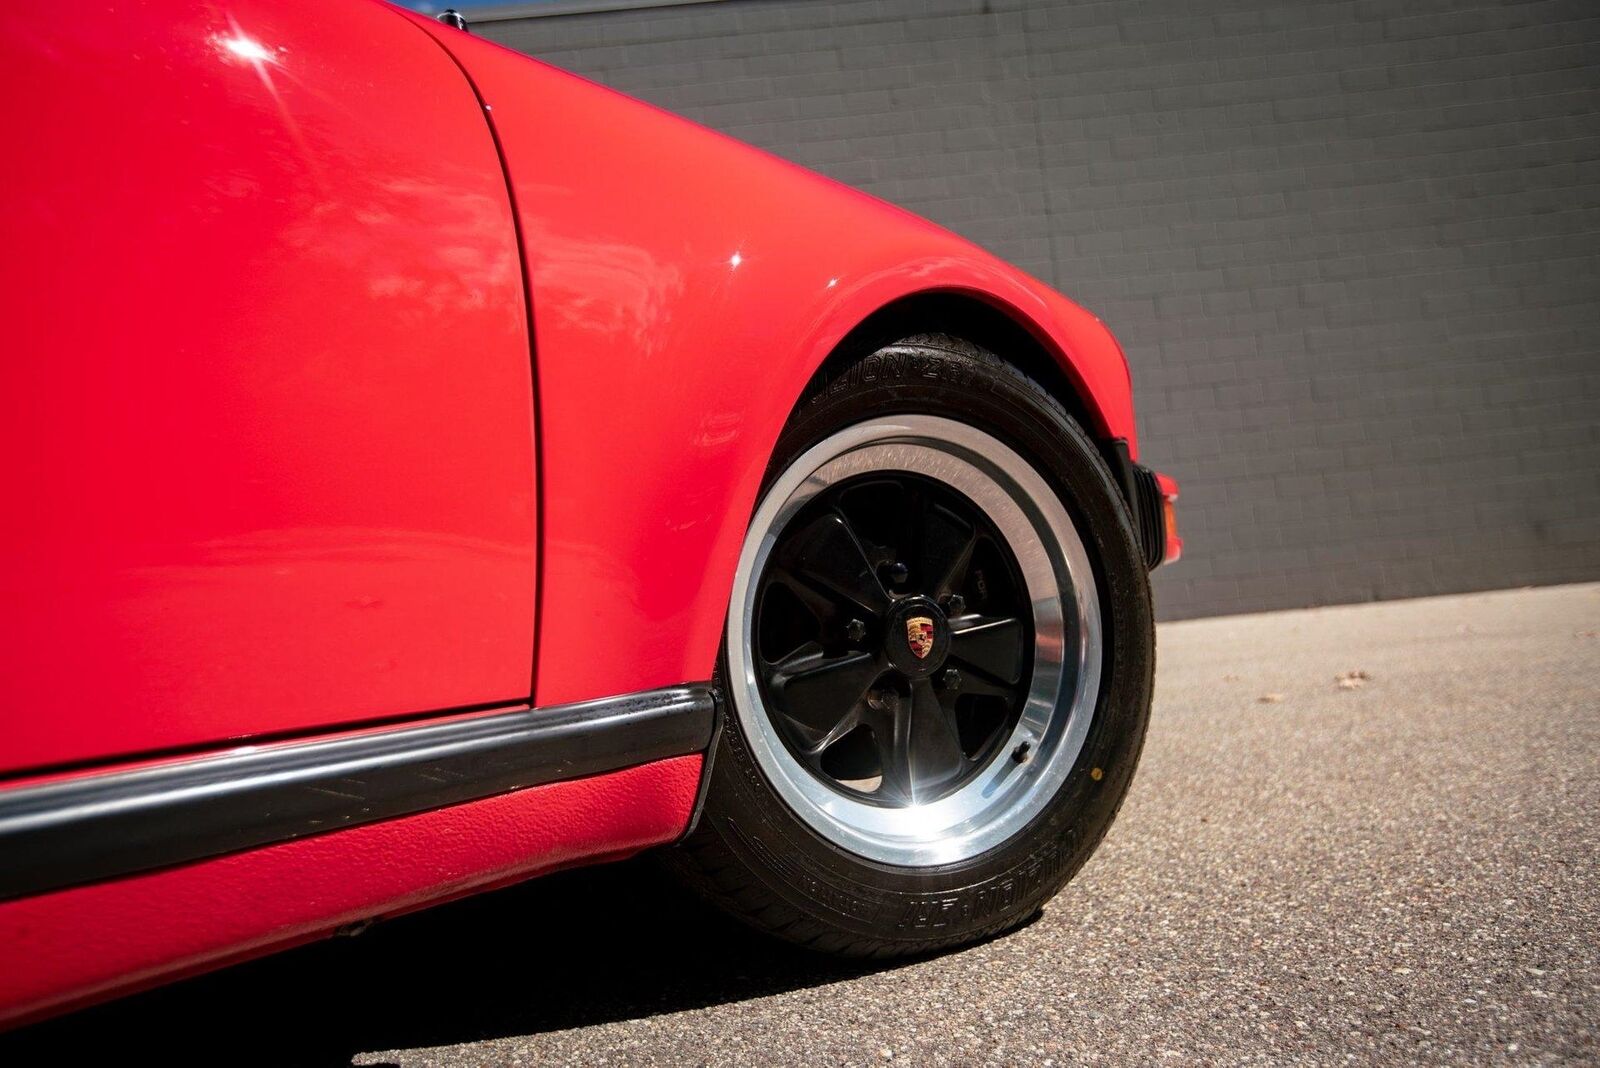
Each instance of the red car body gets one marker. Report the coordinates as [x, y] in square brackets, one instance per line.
[365, 377]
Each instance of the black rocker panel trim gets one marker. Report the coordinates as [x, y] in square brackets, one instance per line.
[113, 824]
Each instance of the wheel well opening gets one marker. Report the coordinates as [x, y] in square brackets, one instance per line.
[970, 319]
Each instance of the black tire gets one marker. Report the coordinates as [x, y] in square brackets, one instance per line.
[752, 856]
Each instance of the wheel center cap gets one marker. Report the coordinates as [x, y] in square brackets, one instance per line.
[917, 637]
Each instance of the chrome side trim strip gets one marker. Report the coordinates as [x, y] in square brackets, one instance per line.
[105, 825]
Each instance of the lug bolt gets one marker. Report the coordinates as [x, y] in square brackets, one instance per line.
[877, 700]
[956, 605]
[855, 630]
[896, 573]
[950, 679]
[1022, 752]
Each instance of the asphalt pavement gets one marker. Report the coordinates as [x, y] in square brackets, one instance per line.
[1402, 867]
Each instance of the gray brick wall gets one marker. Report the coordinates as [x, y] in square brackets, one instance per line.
[1351, 248]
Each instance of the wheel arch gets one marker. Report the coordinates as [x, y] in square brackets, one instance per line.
[989, 322]
[981, 320]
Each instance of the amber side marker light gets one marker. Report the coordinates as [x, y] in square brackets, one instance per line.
[1169, 518]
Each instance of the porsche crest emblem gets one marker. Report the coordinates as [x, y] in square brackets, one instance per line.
[919, 635]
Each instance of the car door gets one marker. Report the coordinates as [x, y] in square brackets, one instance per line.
[268, 434]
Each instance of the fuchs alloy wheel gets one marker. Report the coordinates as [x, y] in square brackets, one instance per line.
[914, 644]
[937, 663]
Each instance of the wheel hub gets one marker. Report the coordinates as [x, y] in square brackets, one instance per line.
[917, 638]
[875, 591]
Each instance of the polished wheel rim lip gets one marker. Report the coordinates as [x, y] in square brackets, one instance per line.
[1006, 794]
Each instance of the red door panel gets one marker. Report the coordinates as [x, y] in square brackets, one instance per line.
[268, 426]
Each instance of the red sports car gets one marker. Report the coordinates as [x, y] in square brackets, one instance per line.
[427, 469]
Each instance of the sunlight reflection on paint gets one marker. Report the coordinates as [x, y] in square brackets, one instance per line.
[245, 48]
[237, 44]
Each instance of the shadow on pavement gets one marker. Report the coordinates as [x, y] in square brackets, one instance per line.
[571, 950]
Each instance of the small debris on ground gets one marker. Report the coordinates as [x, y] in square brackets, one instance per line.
[1270, 698]
[1352, 680]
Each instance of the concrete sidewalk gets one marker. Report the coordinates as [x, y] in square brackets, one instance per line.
[1404, 870]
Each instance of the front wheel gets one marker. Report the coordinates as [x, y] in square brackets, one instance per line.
[937, 663]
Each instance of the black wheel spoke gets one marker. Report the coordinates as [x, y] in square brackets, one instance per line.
[821, 692]
[947, 545]
[925, 749]
[977, 685]
[828, 556]
[895, 784]
[822, 606]
[813, 754]
[993, 646]
[936, 755]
